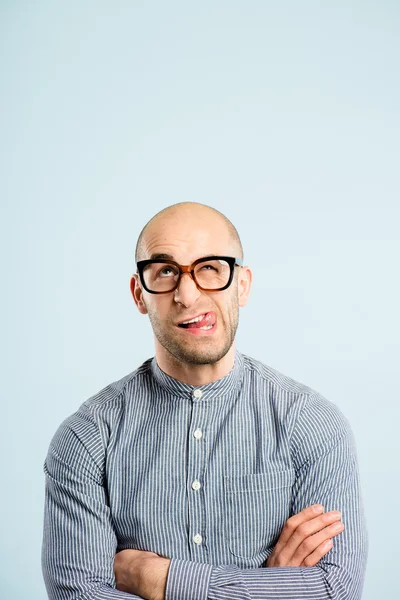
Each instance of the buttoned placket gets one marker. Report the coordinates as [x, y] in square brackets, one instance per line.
[195, 477]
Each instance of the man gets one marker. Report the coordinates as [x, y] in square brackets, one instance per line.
[204, 474]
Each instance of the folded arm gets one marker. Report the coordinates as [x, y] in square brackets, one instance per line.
[79, 543]
[324, 457]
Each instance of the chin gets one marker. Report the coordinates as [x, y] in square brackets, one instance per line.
[197, 356]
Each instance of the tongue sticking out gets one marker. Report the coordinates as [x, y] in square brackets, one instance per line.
[207, 321]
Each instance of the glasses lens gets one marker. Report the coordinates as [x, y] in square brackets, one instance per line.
[160, 277]
[212, 274]
[208, 274]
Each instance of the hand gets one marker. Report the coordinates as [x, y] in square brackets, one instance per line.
[306, 538]
[141, 573]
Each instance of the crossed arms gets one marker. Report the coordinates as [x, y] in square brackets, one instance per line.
[305, 539]
[80, 544]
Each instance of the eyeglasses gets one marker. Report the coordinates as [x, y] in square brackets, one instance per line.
[210, 274]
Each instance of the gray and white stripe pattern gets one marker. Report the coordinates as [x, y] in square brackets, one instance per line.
[206, 476]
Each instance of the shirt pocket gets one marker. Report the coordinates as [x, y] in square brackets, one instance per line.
[257, 508]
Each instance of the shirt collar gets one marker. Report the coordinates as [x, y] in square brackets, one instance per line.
[227, 385]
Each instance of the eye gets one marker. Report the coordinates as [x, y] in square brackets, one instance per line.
[166, 272]
[208, 268]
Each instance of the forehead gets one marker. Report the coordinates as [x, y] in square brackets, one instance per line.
[186, 239]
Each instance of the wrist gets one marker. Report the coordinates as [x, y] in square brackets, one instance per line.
[162, 577]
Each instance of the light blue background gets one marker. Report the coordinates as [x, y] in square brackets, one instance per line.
[283, 115]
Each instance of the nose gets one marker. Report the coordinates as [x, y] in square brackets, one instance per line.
[187, 291]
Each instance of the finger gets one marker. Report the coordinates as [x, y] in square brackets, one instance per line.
[310, 544]
[303, 516]
[308, 528]
[314, 558]
[306, 523]
[305, 531]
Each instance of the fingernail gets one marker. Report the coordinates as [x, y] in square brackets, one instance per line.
[317, 508]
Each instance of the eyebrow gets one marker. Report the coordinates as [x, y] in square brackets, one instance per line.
[156, 255]
[170, 256]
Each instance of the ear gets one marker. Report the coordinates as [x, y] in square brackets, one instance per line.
[244, 285]
[137, 294]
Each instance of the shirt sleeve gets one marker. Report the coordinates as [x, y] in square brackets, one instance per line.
[79, 543]
[325, 462]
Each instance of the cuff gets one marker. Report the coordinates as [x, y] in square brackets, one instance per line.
[187, 579]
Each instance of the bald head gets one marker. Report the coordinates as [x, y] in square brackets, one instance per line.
[185, 212]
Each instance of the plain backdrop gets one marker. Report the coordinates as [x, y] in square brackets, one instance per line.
[283, 115]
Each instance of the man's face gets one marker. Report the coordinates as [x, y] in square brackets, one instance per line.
[193, 345]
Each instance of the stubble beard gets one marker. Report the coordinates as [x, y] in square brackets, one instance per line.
[199, 350]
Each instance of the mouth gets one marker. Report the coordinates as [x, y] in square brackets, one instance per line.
[205, 322]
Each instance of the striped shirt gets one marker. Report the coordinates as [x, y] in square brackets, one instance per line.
[206, 476]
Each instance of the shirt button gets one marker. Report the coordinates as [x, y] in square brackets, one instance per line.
[197, 393]
[197, 539]
[196, 485]
[198, 434]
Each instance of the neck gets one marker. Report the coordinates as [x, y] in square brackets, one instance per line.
[193, 374]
